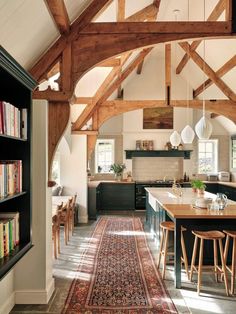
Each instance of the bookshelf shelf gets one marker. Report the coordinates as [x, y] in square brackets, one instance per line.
[13, 137]
[6, 263]
[9, 197]
[16, 89]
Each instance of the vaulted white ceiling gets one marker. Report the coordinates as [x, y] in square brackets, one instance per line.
[27, 31]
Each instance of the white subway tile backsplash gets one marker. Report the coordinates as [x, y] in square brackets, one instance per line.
[156, 168]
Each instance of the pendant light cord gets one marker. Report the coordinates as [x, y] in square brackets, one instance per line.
[188, 79]
[204, 66]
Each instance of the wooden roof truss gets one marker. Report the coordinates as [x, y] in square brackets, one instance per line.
[73, 54]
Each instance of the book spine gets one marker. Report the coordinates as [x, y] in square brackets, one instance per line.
[1, 241]
[6, 237]
[24, 123]
[11, 241]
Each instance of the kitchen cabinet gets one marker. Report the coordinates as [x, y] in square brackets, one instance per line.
[117, 196]
[110, 196]
[212, 187]
[229, 191]
[215, 188]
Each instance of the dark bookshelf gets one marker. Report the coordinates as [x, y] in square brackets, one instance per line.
[16, 88]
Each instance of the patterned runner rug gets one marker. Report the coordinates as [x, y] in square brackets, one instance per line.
[118, 274]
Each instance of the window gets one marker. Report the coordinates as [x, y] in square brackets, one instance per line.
[104, 155]
[207, 156]
[56, 168]
[233, 152]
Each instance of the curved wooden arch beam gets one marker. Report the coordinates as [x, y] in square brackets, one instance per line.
[113, 108]
[91, 142]
[101, 41]
[58, 118]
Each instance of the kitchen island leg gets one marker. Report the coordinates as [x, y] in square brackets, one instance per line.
[177, 261]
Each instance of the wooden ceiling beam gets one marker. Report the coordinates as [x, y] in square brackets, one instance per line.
[156, 5]
[229, 65]
[90, 108]
[120, 10]
[215, 14]
[111, 108]
[112, 28]
[129, 69]
[82, 100]
[168, 73]
[208, 71]
[48, 59]
[88, 111]
[60, 16]
[147, 13]
[110, 63]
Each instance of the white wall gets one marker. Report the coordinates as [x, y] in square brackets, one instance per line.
[151, 85]
[73, 171]
[34, 283]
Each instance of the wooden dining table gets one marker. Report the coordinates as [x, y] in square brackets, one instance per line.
[181, 210]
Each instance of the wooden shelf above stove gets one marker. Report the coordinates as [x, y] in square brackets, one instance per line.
[158, 153]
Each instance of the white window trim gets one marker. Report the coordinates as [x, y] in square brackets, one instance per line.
[216, 153]
[112, 141]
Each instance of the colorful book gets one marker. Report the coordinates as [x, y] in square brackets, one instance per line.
[1, 241]
[16, 227]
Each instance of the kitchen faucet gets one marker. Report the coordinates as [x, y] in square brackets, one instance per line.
[164, 179]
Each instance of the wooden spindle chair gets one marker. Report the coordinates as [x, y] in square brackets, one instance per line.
[72, 214]
[65, 218]
[56, 231]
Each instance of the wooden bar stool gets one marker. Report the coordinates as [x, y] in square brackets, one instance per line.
[166, 227]
[230, 234]
[214, 236]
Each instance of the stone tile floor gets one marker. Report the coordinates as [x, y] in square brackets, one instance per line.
[212, 298]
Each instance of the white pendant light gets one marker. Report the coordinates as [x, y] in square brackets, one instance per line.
[203, 128]
[187, 135]
[175, 139]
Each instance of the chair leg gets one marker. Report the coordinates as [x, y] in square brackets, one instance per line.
[161, 248]
[72, 222]
[165, 253]
[233, 266]
[55, 244]
[65, 232]
[200, 266]
[215, 260]
[58, 238]
[226, 250]
[184, 254]
[193, 257]
[223, 266]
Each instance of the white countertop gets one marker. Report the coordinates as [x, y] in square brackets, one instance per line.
[166, 195]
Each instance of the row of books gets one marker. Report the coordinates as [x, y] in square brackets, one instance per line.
[13, 121]
[10, 177]
[9, 232]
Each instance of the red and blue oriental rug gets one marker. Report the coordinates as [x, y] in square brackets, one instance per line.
[118, 274]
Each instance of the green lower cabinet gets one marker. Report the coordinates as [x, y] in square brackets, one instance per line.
[117, 196]
[215, 188]
[212, 187]
[229, 191]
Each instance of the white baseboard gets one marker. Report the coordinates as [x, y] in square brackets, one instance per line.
[35, 296]
[8, 304]
[83, 219]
